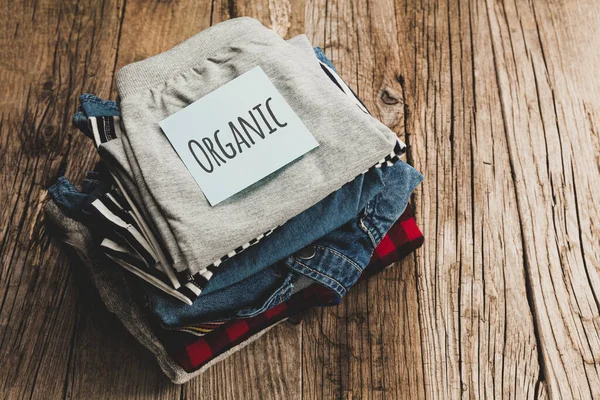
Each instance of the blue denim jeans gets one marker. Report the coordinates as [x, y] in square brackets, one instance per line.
[336, 260]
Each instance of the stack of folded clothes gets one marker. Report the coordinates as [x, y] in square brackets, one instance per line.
[194, 282]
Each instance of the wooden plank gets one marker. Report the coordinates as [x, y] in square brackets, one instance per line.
[151, 27]
[50, 53]
[549, 105]
[66, 347]
[479, 338]
[476, 326]
[369, 346]
[498, 102]
[107, 362]
[268, 368]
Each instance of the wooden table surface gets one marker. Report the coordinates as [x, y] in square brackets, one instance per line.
[499, 103]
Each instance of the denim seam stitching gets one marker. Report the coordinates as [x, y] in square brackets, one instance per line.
[253, 312]
[368, 231]
[280, 293]
[354, 264]
[320, 273]
[266, 305]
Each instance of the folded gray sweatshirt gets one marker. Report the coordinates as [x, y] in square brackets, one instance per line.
[350, 141]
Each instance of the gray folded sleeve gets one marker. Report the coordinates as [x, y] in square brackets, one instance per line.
[350, 141]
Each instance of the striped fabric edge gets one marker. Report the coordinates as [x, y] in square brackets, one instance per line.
[135, 253]
[335, 78]
[126, 230]
[119, 255]
[103, 130]
[162, 263]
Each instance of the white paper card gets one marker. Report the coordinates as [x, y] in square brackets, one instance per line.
[236, 135]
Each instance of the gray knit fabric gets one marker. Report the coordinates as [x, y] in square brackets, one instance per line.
[117, 296]
[196, 234]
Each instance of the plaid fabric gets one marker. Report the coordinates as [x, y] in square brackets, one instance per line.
[403, 238]
[192, 352]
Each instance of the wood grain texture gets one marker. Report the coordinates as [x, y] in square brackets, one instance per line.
[499, 103]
